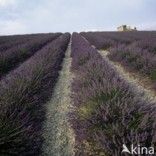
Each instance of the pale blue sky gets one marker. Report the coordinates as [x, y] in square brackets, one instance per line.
[37, 16]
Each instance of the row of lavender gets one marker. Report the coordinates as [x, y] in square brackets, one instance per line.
[108, 113]
[23, 94]
[14, 40]
[139, 55]
[10, 38]
[105, 40]
[23, 49]
[136, 59]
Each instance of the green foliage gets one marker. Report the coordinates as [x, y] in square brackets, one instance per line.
[153, 75]
[87, 109]
[83, 60]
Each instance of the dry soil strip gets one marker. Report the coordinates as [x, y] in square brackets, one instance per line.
[58, 134]
[133, 79]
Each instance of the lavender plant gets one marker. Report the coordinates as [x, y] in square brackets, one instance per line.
[135, 50]
[108, 112]
[23, 94]
[12, 57]
[104, 40]
[20, 39]
[135, 59]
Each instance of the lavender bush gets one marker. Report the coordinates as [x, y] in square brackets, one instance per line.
[135, 59]
[99, 40]
[15, 40]
[104, 40]
[148, 44]
[12, 57]
[23, 93]
[108, 112]
[135, 50]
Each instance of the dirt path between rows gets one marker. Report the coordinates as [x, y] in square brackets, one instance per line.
[58, 134]
[142, 85]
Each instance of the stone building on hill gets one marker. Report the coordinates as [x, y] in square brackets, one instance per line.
[126, 28]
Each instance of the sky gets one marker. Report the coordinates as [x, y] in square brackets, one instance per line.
[43, 16]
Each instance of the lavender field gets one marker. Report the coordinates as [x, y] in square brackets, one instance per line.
[85, 94]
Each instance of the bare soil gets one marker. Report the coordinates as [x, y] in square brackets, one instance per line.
[58, 134]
